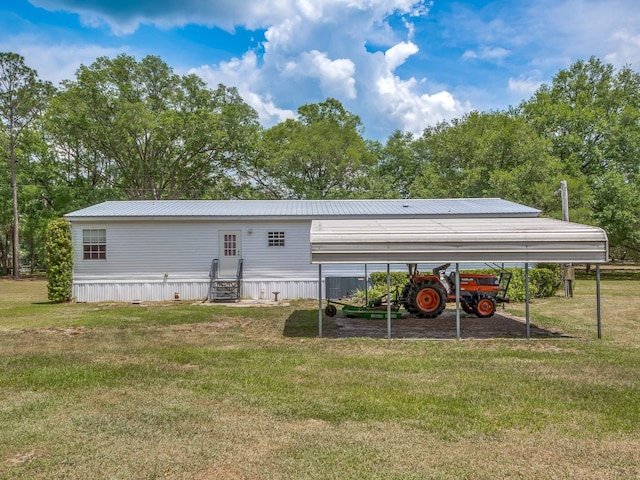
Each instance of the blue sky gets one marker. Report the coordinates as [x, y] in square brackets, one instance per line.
[398, 64]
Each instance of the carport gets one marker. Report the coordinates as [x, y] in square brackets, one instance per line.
[456, 240]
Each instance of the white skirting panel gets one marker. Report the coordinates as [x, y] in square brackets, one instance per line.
[138, 291]
[114, 291]
[288, 289]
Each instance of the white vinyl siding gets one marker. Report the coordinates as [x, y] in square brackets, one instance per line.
[290, 262]
[154, 260]
[147, 250]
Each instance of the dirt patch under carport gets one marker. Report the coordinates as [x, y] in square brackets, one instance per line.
[501, 325]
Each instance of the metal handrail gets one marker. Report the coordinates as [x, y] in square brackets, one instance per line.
[239, 278]
[213, 276]
[213, 271]
[239, 272]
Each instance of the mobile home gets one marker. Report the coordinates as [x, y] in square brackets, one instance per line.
[174, 249]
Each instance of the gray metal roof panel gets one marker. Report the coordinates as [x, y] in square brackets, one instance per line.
[304, 208]
[456, 240]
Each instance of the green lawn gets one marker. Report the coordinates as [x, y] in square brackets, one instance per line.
[184, 391]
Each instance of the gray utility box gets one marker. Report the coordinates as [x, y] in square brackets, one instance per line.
[344, 287]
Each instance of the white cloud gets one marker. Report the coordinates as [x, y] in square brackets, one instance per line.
[404, 104]
[626, 49]
[578, 29]
[244, 74]
[336, 76]
[525, 86]
[252, 14]
[308, 58]
[312, 50]
[318, 48]
[55, 62]
[398, 54]
[413, 111]
[486, 53]
[268, 112]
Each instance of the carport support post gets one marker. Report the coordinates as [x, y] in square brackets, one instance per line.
[366, 286]
[526, 298]
[388, 301]
[598, 306]
[457, 300]
[320, 300]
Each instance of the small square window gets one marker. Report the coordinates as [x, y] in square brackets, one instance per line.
[94, 244]
[276, 239]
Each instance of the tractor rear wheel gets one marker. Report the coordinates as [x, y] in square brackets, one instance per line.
[427, 299]
[406, 298]
[486, 307]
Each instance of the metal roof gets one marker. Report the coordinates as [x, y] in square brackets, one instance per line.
[456, 240]
[243, 209]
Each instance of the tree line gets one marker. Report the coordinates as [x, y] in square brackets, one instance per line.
[128, 129]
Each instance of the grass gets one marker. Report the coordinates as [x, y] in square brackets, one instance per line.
[183, 391]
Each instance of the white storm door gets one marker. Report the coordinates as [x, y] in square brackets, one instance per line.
[230, 246]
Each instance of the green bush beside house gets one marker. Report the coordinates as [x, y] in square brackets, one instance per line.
[59, 260]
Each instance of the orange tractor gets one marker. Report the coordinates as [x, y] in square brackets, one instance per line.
[426, 296]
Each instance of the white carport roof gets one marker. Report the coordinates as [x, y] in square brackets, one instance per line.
[456, 240]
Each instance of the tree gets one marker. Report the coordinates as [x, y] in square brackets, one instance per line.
[617, 211]
[22, 99]
[143, 130]
[59, 260]
[6, 210]
[399, 163]
[579, 109]
[321, 154]
[495, 154]
[591, 115]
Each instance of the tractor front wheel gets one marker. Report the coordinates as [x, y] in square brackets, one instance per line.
[486, 307]
[427, 299]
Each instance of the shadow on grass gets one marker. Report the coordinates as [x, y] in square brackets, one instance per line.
[304, 323]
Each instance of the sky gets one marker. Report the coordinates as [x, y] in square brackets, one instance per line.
[397, 64]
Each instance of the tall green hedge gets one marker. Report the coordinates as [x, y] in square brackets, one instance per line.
[59, 260]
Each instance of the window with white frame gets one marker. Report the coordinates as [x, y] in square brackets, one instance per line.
[276, 239]
[94, 244]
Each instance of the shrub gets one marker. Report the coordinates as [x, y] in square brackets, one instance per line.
[374, 292]
[59, 260]
[547, 281]
[516, 290]
[398, 279]
[379, 286]
[544, 281]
